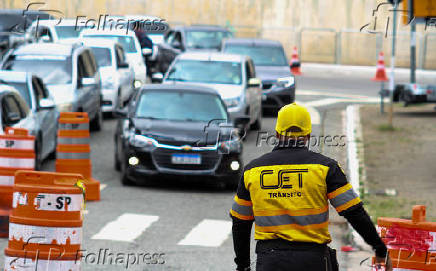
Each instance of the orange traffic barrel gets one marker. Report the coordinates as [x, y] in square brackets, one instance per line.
[17, 151]
[411, 243]
[45, 230]
[73, 153]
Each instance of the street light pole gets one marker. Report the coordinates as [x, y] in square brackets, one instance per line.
[392, 77]
[412, 43]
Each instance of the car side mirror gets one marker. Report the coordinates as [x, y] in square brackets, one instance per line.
[46, 103]
[88, 81]
[123, 65]
[120, 113]
[12, 118]
[176, 44]
[157, 77]
[45, 38]
[147, 51]
[254, 82]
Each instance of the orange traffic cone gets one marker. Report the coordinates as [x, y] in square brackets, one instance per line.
[295, 63]
[380, 74]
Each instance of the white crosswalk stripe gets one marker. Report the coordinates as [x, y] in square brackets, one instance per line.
[126, 227]
[208, 233]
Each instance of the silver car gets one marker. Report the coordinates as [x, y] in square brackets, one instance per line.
[232, 76]
[40, 119]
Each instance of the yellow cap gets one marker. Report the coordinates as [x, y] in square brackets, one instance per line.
[293, 115]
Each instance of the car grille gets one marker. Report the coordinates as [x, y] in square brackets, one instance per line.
[162, 158]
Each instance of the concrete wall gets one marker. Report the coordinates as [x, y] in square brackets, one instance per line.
[290, 21]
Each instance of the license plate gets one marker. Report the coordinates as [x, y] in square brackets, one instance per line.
[186, 159]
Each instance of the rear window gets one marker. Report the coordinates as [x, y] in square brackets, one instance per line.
[103, 56]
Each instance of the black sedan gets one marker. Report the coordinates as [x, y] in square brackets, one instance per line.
[177, 130]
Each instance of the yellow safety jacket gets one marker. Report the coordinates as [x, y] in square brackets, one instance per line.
[286, 193]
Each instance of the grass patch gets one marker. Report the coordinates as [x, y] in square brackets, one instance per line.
[384, 206]
[387, 128]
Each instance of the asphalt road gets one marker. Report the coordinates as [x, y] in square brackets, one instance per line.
[184, 225]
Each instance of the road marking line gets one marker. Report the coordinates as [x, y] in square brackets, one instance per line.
[126, 228]
[102, 186]
[314, 114]
[208, 233]
[331, 94]
[324, 102]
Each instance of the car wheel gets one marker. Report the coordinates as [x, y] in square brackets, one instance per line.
[38, 154]
[52, 155]
[117, 163]
[97, 122]
[125, 181]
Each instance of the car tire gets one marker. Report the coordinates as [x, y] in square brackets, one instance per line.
[117, 163]
[125, 181]
[97, 122]
[38, 154]
[52, 155]
[233, 183]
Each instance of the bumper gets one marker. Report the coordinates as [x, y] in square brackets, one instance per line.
[238, 112]
[158, 162]
[109, 99]
[278, 97]
[410, 97]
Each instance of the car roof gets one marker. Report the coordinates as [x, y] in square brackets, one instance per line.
[96, 42]
[58, 22]
[203, 27]
[253, 42]
[45, 49]
[212, 56]
[180, 88]
[107, 32]
[13, 76]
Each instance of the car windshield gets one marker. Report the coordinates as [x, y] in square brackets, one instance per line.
[23, 90]
[68, 31]
[103, 56]
[180, 106]
[127, 42]
[205, 39]
[261, 55]
[214, 72]
[52, 69]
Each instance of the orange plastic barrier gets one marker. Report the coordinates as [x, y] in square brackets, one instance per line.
[411, 243]
[73, 150]
[295, 63]
[17, 151]
[45, 231]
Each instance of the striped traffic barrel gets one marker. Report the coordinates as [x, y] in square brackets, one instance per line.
[45, 230]
[73, 152]
[17, 151]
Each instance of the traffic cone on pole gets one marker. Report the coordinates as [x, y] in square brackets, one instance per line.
[380, 74]
[295, 62]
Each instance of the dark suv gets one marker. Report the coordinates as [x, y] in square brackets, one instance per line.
[70, 73]
[278, 83]
[189, 38]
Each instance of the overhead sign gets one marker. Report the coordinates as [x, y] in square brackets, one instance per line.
[422, 9]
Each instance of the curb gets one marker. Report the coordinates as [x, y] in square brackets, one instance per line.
[355, 157]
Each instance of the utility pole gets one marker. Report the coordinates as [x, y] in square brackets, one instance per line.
[412, 42]
[392, 77]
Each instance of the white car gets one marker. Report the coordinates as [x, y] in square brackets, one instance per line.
[232, 76]
[54, 30]
[116, 75]
[131, 47]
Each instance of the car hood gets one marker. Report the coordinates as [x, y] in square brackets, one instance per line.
[179, 133]
[271, 73]
[61, 93]
[226, 91]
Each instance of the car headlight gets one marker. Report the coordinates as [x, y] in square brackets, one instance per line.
[65, 107]
[137, 84]
[109, 82]
[233, 102]
[286, 81]
[141, 141]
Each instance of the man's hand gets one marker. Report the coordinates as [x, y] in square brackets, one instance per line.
[385, 262]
